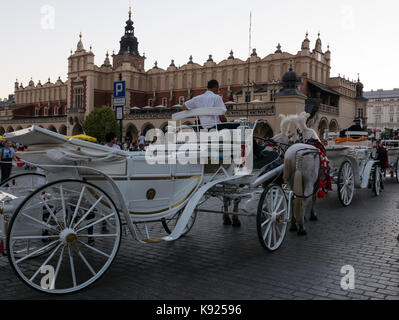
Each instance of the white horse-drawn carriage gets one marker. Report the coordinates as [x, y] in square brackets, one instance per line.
[62, 229]
[353, 164]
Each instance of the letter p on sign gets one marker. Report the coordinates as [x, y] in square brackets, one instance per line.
[120, 89]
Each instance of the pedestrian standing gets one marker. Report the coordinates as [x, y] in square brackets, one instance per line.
[142, 139]
[111, 141]
[127, 146]
[135, 146]
[7, 155]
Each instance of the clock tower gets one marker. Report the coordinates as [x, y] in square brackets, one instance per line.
[129, 48]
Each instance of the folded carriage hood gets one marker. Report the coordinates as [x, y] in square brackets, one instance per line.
[34, 136]
[49, 148]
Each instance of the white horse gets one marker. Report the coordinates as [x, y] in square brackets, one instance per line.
[301, 173]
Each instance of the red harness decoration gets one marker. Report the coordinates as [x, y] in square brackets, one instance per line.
[325, 181]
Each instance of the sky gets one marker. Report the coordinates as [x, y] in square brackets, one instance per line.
[37, 35]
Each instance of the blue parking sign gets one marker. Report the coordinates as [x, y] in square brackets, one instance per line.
[120, 89]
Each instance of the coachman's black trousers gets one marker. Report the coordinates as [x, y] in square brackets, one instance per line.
[6, 169]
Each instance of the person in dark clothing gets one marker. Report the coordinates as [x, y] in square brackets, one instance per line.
[7, 155]
[356, 127]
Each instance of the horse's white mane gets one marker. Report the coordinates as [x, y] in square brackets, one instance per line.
[300, 121]
[286, 120]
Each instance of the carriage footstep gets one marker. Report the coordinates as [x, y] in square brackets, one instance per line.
[154, 240]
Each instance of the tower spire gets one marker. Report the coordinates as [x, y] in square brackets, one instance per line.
[129, 43]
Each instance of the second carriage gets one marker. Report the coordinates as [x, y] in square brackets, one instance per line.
[354, 164]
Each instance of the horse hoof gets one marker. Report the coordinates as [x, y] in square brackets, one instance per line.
[302, 232]
[236, 223]
[226, 220]
[293, 228]
[314, 218]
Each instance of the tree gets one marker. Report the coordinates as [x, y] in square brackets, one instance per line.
[99, 122]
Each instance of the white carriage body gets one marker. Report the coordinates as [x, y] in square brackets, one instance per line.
[89, 193]
[146, 192]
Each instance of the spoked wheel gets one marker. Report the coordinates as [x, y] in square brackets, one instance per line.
[64, 236]
[346, 184]
[169, 224]
[397, 171]
[24, 182]
[272, 217]
[377, 180]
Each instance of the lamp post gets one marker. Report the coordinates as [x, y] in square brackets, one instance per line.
[120, 120]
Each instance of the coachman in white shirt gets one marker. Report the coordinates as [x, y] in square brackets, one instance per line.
[210, 99]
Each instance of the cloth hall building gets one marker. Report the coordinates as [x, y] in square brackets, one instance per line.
[154, 94]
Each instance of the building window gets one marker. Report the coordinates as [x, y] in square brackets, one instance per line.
[56, 110]
[36, 112]
[78, 98]
[165, 102]
[360, 112]
[150, 102]
[45, 112]
[181, 100]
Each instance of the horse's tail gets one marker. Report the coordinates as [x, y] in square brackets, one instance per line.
[298, 181]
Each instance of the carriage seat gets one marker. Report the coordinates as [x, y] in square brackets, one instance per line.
[263, 158]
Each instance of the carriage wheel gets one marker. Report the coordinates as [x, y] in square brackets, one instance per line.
[24, 181]
[346, 184]
[397, 171]
[169, 224]
[71, 246]
[377, 181]
[272, 217]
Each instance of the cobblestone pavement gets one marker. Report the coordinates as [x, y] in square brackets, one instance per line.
[221, 262]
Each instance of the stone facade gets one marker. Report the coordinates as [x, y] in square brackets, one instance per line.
[383, 109]
[248, 85]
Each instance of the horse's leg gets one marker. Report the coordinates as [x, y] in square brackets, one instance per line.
[313, 214]
[300, 216]
[310, 176]
[236, 220]
[226, 217]
[293, 226]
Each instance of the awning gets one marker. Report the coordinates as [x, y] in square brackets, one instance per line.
[323, 88]
[83, 137]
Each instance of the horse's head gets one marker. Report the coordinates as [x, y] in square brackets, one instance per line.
[284, 137]
[304, 132]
